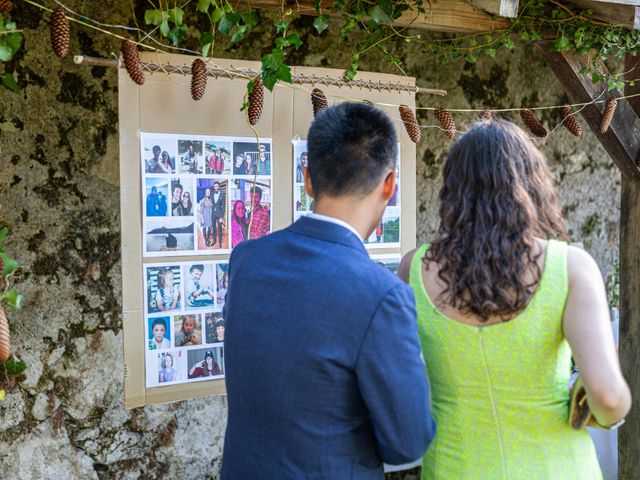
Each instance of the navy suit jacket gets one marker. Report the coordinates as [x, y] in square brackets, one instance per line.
[322, 360]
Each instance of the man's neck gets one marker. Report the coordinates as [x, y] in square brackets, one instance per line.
[355, 213]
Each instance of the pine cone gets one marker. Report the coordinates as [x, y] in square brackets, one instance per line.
[486, 115]
[198, 78]
[318, 100]
[570, 121]
[60, 34]
[532, 123]
[5, 338]
[607, 115]
[256, 100]
[6, 5]
[446, 120]
[368, 102]
[132, 61]
[410, 123]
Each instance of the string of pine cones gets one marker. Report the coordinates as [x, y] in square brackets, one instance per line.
[256, 101]
[60, 33]
[6, 5]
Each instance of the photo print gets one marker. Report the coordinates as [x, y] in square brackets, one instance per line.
[170, 366]
[391, 262]
[191, 156]
[205, 363]
[388, 231]
[159, 333]
[250, 210]
[222, 280]
[252, 157]
[199, 286]
[169, 235]
[217, 156]
[182, 198]
[302, 202]
[212, 231]
[163, 288]
[156, 195]
[214, 327]
[158, 154]
[188, 330]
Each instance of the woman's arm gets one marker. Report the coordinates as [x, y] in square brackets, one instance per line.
[587, 327]
[405, 265]
[159, 304]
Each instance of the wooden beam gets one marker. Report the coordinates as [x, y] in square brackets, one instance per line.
[625, 13]
[629, 434]
[622, 140]
[457, 16]
[504, 8]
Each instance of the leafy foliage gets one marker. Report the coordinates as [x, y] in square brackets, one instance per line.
[10, 39]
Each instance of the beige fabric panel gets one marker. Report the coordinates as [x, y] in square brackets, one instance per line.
[164, 105]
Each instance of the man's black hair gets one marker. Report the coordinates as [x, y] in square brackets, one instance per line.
[159, 321]
[257, 190]
[350, 147]
[196, 267]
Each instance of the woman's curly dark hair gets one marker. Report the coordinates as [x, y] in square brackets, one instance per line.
[497, 196]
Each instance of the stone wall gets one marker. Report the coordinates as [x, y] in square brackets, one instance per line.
[59, 181]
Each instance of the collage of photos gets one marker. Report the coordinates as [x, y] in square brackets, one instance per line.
[391, 261]
[386, 234]
[183, 321]
[198, 193]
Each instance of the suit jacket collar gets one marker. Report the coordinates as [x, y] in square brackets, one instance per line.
[327, 231]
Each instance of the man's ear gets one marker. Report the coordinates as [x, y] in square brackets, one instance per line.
[307, 182]
[389, 185]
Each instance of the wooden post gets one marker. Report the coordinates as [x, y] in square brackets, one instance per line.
[629, 435]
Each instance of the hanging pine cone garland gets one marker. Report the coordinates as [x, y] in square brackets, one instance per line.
[446, 120]
[198, 78]
[318, 100]
[570, 121]
[6, 5]
[5, 339]
[532, 123]
[60, 34]
[256, 100]
[410, 123]
[132, 61]
[607, 115]
[486, 115]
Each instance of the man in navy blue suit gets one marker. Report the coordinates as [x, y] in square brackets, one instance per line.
[323, 368]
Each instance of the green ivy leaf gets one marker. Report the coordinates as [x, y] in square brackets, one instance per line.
[217, 14]
[444, 58]
[490, 52]
[9, 45]
[596, 77]
[294, 40]
[10, 265]
[562, 44]
[203, 5]
[9, 81]
[281, 27]
[347, 27]
[179, 34]
[585, 70]
[471, 58]
[321, 23]
[238, 34]
[153, 17]
[227, 23]
[524, 36]
[206, 39]
[4, 231]
[274, 69]
[250, 19]
[379, 16]
[15, 368]
[508, 43]
[165, 29]
[12, 298]
[176, 15]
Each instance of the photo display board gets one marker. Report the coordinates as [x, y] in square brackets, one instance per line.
[188, 172]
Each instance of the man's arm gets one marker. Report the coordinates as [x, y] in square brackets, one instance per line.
[392, 380]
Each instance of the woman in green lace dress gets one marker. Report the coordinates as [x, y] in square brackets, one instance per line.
[501, 308]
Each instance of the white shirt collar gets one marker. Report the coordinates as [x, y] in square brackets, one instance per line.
[337, 221]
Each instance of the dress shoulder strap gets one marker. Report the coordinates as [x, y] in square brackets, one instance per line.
[415, 271]
[553, 289]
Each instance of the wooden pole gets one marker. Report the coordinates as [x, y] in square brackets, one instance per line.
[629, 434]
